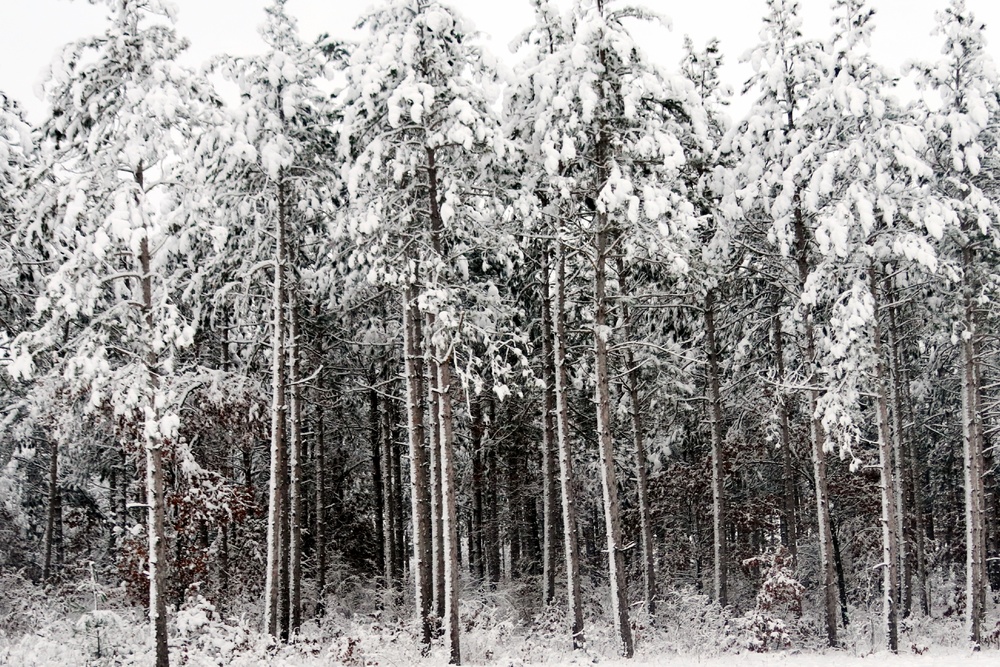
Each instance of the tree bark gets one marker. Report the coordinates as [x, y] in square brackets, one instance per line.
[294, 420]
[278, 467]
[437, 500]
[52, 532]
[155, 501]
[549, 454]
[609, 484]
[449, 514]
[973, 474]
[420, 496]
[789, 528]
[817, 437]
[319, 514]
[378, 474]
[571, 543]
[721, 552]
[890, 524]
[906, 492]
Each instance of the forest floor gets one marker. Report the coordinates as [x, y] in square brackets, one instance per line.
[78, 627]
[106, 639]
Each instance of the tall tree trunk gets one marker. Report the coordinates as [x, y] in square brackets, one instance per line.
[284, 540]
[571, 543]
[838, 563]
[973, 472]
[420, 496]
[157, 561]
[638, 441]
[817, 437]
[477, 536]
[294, 467]
[904, 480]
[278, 467]
[890, 525]
[549, 454]
[789, 531]
[609, 484]
[52, 533]
[388, 492]
[721, 552]
[449, 514]
[437, 527]
[378, 474]
[445, 520]
[319, 514]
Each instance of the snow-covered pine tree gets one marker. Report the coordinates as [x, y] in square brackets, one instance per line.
[111, 316]
[774, 158]
[713, 266]
[608, 130]
[862, 194]
[527, 96]
[421, 141]
[961, 131]
[269, 182]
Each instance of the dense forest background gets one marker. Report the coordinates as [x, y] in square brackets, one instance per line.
[565, 340]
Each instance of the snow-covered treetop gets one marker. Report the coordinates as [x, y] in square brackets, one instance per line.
[590, 107]
[417, 88]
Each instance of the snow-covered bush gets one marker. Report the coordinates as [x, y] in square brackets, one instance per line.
[24, 607]
[687, 622]
[201, 631]
[779, 603]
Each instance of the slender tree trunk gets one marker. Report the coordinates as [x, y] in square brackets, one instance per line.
[319, 514]
[476, 537]
[817, 436]
[721, 551]
[904, 480]
[54, 513]
[278, 467]
[549, 454]
[449, 514]
[974, 504]
[571, 543]
[437, 527]
[789, 532]
[388, 510]
[838, 563]
[284, 539]
[420, 496]
[294, 467]
[155, 501]
[609, 485]
[375, 441]
[890, 525]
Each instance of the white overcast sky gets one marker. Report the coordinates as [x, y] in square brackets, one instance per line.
[32, 31]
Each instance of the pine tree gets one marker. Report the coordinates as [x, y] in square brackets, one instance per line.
[420, 139]
[121, 112]
[962, 217]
